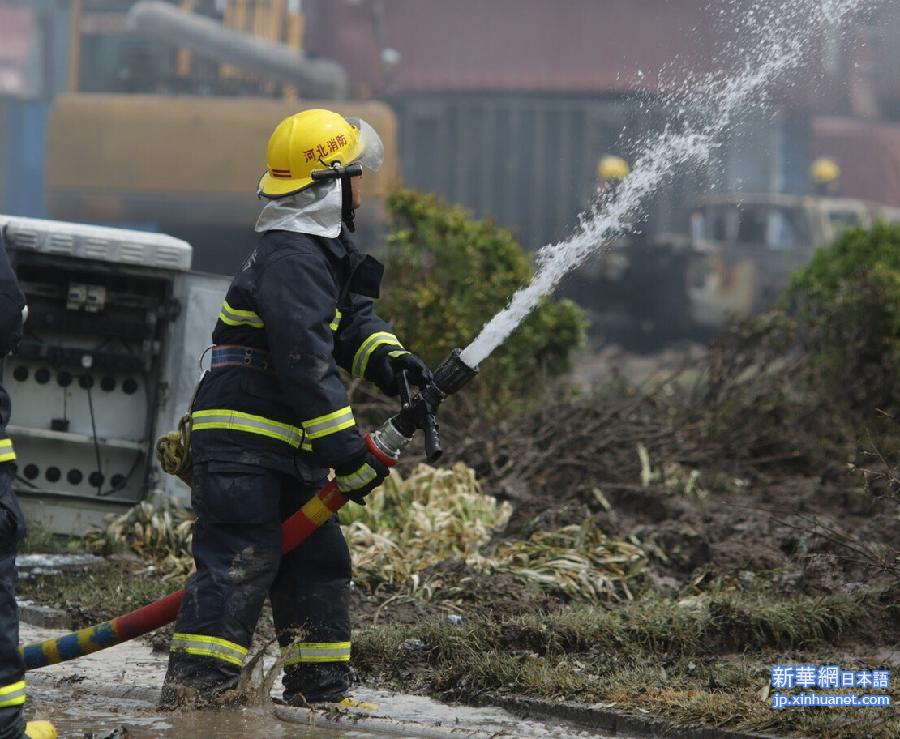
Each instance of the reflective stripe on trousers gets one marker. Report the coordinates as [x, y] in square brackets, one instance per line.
[316, 652]
[12, 695]
[7, 453]
[230, 420]
[209, 646]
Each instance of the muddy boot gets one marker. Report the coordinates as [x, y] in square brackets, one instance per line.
[197, 682]
[322, 683]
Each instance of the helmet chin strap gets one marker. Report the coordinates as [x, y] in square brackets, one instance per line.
[348, 213]
[338, 172]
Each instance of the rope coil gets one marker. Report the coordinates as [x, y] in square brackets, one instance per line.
[173, 451]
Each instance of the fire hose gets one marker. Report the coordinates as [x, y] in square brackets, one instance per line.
[387, 443]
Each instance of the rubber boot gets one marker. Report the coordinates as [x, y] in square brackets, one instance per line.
[196, 682]
[323, 683]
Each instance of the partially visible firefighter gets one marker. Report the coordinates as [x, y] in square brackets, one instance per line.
[272, 416]
[825, 176]
[12, 530]
[611, 171]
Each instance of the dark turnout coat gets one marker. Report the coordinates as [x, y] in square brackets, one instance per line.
[305, 303]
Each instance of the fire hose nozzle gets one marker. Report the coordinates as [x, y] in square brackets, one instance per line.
[453, 374]
[420, 412]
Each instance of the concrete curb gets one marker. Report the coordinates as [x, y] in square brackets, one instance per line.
[44, 617]
[140, 693]
[613, 722]
[350, 721]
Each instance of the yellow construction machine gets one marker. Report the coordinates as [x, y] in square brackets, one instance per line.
[169, 108]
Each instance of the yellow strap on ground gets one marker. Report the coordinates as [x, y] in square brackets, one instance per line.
[349, 702]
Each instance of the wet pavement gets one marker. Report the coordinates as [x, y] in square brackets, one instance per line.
[113, 694]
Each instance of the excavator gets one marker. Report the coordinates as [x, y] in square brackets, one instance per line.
[168, 110]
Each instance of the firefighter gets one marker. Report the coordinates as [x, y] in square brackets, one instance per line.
[271, 416]
[825, 176]
[611, 170]
[12, 531]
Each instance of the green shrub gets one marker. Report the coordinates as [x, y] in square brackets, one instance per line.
[847, 306]
[448, 275]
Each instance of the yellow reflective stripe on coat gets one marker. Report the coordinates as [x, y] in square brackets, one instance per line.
[356, 480]
[12, 695]
[209, 646]
[331, 423]
[336, 321]
[7, 453]
[364, 353]
[230, 420]
[309, 652]
[239, 317]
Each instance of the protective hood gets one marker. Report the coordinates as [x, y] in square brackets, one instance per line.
[315, 210]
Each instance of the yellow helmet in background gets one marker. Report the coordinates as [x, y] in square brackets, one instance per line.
[824, 171]
[316, 139]
[612, 168]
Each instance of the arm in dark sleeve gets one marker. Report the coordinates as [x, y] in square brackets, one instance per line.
[362, 338]
[296, 299]
[12, 301]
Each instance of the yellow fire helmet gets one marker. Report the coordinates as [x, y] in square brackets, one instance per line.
[612, 168]
[824, 170]
[316, 139]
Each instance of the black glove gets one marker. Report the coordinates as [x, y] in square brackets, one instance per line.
[360, 475]
[386, 372]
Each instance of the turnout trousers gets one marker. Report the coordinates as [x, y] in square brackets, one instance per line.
[12, 671]
[237, 551]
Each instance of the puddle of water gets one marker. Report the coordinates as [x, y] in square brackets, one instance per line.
[77, 716]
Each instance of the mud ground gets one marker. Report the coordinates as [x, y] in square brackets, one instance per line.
[113, 694]
[748, 564]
